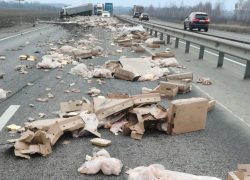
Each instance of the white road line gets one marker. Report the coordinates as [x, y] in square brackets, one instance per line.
[7, 115]
[23, 33]
[216, 55]
[208, 95]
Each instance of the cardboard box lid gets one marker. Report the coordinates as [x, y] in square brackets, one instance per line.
[182, 86]
[242, 174]
[187, 115]
[141, 65]
[169, 91]
[146, 98]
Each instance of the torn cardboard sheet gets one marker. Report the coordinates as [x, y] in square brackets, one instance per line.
[125, 75]
[146, 99]
[180, 76]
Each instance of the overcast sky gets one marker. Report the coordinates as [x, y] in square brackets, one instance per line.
[229, 4]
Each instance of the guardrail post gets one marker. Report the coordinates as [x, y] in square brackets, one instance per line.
[220, 59]
[202, 49]
[161, 37]
[176, 42]
[156, 33]
[187, 47]
[147, 30]
[151, 31]
[168, 39]
[247, 70]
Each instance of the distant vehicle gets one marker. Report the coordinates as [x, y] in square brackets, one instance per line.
[137, 10]
[136, 15]
[76, 10]
[144, 16]
[109, 7]
[197, 20]
[105, 14]
[95, 10]
[100, 8]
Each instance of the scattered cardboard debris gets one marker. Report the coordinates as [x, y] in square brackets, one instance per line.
[2, 57]
[30, 119]
[42, 100]
[13, 127]
[100, 142]
[204, 81]
[58, 77]
[42, 115]
[32, 105]
[30, 84]
[66, 142]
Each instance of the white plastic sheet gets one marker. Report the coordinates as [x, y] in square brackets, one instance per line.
[151, 40]
[81, 70]
[2, 94]
[158, 172]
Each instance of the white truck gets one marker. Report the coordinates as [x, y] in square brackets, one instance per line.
[100, 8]
[77, 10]
[137, 10]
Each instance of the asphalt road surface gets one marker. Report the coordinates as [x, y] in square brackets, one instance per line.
[212, 152]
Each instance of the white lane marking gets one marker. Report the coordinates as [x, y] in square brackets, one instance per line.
[216, 55]
[23, 33]
[208, 95]
[7, 115]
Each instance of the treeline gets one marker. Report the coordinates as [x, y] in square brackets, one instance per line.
[175, 12]
[28, 5]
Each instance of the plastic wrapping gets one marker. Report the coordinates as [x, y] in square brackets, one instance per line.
[151, 40]
[102, 73]
[102, 161]
[2, 94]
[117, 127]
[91, 123]
[81, 70]
[137, 28]
[156, 72]
[169, 62]
[48, 64]
[67, 48]
[158, 172]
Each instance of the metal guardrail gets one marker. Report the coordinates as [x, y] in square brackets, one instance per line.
[223, 46]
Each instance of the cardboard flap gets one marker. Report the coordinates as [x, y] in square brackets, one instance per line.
[45, 149]
[110, 106]
[245, 167]
[32, 150]
[159, 112]
[117, 96]
[18, 153]
[139, 127]
[54, 133]
[71, 106]
[146, 98]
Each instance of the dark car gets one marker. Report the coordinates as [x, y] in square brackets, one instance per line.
[144, 16]
[136, 15]
[197, 20]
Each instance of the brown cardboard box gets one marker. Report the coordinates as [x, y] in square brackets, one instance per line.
[146, 99]
[183, 87]
[154, 45]
[127, 44]
[136, 49]
[125, 75]
[187, 115]
[180, 76]
[167, 91]
[83, 54]
[120, 42]
[242, 174]
[164, 55]
[159, 42]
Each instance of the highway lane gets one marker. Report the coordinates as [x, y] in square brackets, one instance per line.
[224, 34]
[214, 151]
